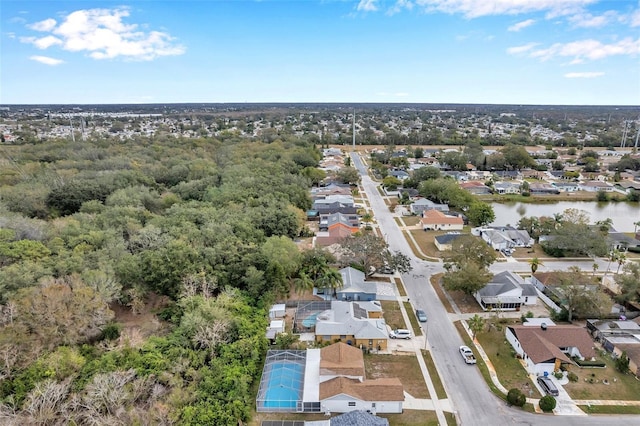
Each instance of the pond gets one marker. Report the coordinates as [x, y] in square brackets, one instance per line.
[622, 214]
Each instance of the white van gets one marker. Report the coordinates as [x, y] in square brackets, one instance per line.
[400, 333]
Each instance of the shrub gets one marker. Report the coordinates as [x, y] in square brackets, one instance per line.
[516, 397]
[547, 403]
[622, 363]
[573, 377]
[110, 331]
[558, 375]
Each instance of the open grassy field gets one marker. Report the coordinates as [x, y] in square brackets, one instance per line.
[425, 241]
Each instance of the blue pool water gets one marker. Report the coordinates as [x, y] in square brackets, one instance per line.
[284, 385]
[310, 321]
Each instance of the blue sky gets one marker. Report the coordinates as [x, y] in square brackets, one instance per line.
[574, 52]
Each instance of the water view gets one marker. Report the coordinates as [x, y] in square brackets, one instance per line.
[623, 215]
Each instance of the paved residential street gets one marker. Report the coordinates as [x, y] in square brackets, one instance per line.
[469, 395]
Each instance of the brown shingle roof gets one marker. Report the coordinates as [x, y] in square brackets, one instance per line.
[436, 217]
[389, 389]
[544, 345]
[341, 359]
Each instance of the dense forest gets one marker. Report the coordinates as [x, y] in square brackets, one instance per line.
[201, 230]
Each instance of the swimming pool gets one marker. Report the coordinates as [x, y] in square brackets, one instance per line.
[284, 385]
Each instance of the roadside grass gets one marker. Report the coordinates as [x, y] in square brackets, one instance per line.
[398, 221]
[590, 385]
[610, 409]
[411, 220]
[392, 314]
[400, 285]
[404, 367]
[426, 241]
[530, 253]
[435, 283]
[414, 249]
[415, 325]
[435, 377]
[510, 371]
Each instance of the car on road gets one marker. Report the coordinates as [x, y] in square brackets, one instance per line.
[421, 315]
[400, 333]
[547, 385]
[467, 355]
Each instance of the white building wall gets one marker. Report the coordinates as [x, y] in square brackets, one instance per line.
[340, 404]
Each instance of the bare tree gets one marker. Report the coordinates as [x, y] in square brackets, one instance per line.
[45, 402]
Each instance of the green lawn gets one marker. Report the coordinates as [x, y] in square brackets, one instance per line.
[591, 383]
[393, 314]
[508, 368]
[435, 377]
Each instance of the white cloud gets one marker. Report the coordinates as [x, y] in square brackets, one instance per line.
[583, 74]
[47, 60]
[588, 50]
[521, 25]
[102, 34]
[477, 8]
[587, 20]
[399, 6]
[42, 42]
[635, 18]
[368, 5]
[46, 25]
[516, 50]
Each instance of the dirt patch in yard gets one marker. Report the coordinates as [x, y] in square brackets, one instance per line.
[405, 368]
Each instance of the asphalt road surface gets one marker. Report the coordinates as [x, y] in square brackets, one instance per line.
[468, 393]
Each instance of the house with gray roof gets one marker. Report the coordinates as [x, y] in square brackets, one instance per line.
[444, 242]
[505, 237]
[506, 187]
[356, 323]
[356, 287]
[423, 204]
[506, 291]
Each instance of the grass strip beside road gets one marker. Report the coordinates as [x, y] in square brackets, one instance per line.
[400, 285]
[610, 409]
[435, 283]
[435, 377]
[417, 329]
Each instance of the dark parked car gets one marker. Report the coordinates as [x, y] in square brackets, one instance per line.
[547, 385]
[422, 316]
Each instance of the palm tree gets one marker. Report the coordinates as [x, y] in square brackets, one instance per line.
[476, 325]
[595, 268]
[330, 278]
[303, 283]
[635, 226]
[535, 263]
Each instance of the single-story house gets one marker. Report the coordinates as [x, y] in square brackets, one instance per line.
[543, 188]
[357, 418]
[618, 337]
[506, 291]
[475, 187]
[545, 348]
[342, 394]
[423, 204]
[505, 237]
[444, 242]
[596, 186]
[566, 186]
[356, 323]
[506, 187]
[436, 220]
[355, 287]
[399, 174]
[621, 241]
